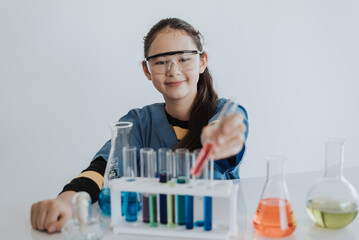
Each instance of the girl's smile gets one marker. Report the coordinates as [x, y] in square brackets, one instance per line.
[175, 83]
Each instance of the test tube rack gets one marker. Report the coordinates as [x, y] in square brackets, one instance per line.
[224, 194]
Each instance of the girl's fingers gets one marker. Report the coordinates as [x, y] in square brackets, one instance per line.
[230, 147]
[33, 215]
[52, 217]
[208, 132]
[59, 223]
[41, 215]
[225, 139]
[231, 127]
[231, 122]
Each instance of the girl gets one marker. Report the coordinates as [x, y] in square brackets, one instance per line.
[177, 66]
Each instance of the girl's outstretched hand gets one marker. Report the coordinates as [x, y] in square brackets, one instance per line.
[228, 135]
[51, 215]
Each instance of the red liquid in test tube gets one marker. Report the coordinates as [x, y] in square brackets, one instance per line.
[202, 158]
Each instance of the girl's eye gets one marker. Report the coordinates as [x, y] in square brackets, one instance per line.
[185, 59]
[160, 62]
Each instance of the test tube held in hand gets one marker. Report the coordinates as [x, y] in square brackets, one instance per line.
[208, 148]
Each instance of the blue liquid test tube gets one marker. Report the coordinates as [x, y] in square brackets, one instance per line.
[130, 171]
[207, 174]
[207, 205]
[189, 212]
[182, 176]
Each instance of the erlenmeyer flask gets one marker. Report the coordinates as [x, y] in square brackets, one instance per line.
[120, 138]
[332, 202]
[274, 216]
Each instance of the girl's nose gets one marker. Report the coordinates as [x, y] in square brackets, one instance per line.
[173, 69]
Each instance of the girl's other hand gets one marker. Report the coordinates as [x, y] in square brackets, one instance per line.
[228, 135]
[51, 215]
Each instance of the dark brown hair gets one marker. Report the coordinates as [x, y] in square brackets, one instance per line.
[205, 103]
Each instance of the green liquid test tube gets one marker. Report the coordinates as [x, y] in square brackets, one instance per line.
[170, 197]
[153, 210]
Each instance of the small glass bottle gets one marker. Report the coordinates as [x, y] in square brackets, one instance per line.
[332, 202]
[82, 226]
[274, 216]
[120, 138]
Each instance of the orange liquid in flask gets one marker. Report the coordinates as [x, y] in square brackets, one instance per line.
[274, 218]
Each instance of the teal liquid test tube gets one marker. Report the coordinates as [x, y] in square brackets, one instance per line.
[130, 171]
[182, 171]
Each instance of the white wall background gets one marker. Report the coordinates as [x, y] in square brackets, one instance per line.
[69, 68]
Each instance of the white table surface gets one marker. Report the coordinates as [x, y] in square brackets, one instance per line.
[15, 217]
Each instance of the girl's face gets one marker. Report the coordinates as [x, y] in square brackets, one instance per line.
[176, 83]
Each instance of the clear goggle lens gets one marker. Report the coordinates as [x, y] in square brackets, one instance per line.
[184, 60]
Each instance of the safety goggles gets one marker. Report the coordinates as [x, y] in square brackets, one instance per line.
[184, 60]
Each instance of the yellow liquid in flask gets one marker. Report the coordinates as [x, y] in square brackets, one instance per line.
[331, 214]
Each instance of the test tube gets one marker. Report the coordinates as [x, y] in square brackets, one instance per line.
[170, 197]
[130, 171]
[146, 155]
[153, 173]
[162, 169]
[198, 201]
[182, 176]
[207, 174]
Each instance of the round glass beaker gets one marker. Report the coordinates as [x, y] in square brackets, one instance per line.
[332, 202]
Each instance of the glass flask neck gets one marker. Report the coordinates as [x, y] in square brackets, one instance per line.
[120, 132]
[275, 169]
[334, 155]
[275, 186]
